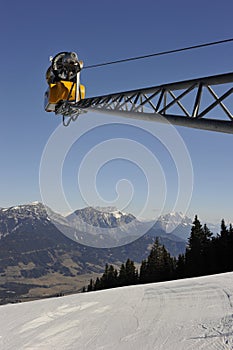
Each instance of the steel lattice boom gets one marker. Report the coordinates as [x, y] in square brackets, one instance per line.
[203, 103]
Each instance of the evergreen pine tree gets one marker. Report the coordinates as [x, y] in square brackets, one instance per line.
[197, 250]
[230, 247]
[230, 229]
[90, 286]
[224, 230]
[109, 278]
[97, 285]
[153, 262]
[143, 272]
[122, 276]
[225, 247]
[159, 265]
[167, 265]
[131, 276]
[104, 278]
[180, 266]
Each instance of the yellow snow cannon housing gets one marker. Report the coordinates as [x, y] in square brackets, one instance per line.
[65, 90]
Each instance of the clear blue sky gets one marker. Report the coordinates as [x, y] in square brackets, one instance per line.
[102, 31]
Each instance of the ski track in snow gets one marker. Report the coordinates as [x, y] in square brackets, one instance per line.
[186, 314]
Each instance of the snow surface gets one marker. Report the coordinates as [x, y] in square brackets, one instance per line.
[186, 314]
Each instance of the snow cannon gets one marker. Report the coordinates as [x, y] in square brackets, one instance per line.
[63, 78]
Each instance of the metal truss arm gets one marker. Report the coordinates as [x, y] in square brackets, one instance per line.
[203, 103]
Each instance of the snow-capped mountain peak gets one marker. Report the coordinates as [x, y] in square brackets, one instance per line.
[106, 217]
[176, 223]
[171, 221]
[30, 209]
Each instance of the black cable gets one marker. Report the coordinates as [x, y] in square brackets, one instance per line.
[159, 53]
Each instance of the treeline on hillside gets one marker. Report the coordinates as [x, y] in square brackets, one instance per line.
[205, 254]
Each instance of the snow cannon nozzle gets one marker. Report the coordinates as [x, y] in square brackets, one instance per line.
[65, 66]
[71, 58]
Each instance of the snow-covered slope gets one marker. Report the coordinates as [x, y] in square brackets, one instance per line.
[177, 315]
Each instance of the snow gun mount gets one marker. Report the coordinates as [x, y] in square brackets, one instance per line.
[65, 90]
[201, 103]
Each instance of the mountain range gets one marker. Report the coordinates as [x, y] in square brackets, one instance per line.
[110, 227]
[36, 256]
